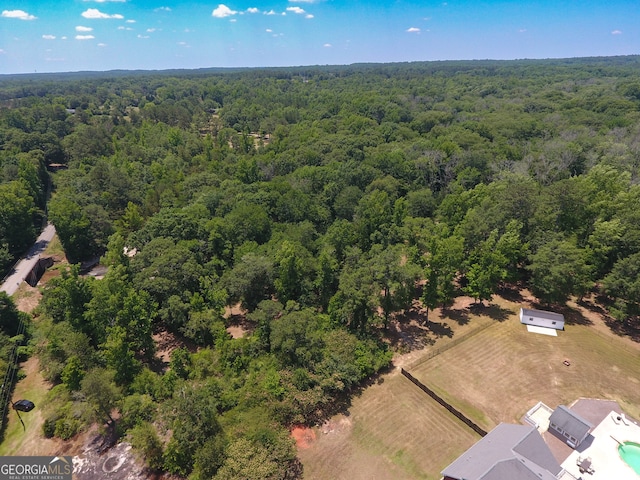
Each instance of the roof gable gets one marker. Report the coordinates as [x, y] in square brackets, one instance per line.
[497, 452]
[533, 448]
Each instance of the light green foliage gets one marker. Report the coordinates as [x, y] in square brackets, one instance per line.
[17, 209]
[145, 439]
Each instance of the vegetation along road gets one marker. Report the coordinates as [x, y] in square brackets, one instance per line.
[26, 264]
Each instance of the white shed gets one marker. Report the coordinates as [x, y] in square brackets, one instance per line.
[541, 318]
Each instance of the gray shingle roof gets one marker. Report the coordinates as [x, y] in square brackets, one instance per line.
[516, 452]
[570, 422]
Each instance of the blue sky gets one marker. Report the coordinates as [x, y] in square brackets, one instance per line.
[73, 35]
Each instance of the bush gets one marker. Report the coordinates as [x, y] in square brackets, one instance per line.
[145, 439]
[66, 428]
[49, 427]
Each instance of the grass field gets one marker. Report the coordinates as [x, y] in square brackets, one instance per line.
[491, 369]
[391, 433]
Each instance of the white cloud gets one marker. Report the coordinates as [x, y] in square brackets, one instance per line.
[268, 30]
[162, 9]
[253, 10]
[49, 37]
[616, 32]
[413, 30]
[233, 20]
[327, 45]
[129, 21]
[80, 28]
[296, 10]
[19, 14]
[522, 30]
[2, 51]
[63, 38]
[308, 16]
[84, 37]
[222, 11]
[94, 13]
[143, 36]
[270, 12]
[102, 44]
[151, 30]
[183, 44]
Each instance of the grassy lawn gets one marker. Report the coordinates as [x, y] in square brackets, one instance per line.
[28, 440]
[393, 431]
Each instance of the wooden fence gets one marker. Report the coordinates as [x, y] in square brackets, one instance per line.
[461, 416]
[433, 352]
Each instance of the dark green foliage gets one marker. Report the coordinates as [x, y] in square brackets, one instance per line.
[623, 284]
[558, 270]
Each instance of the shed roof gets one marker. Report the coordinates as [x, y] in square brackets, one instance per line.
[530, 312]
[570, 422]
[517, 452]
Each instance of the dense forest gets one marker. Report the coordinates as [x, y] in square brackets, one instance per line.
[319, 200]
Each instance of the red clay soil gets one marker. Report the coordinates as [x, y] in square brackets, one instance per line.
[304, 437]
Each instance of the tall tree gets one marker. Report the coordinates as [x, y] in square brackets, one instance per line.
[558, 270]
[444, 260]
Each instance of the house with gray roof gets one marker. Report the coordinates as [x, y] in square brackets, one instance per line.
[514, 452]
[569, 425]
[542, 318]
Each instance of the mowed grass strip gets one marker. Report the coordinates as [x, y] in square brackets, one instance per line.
[498, 374]
[396, 432]
[28, 439]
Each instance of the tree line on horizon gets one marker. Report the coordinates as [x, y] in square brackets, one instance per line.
[317, 199]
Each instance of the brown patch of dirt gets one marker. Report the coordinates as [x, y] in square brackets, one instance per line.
[236, 319]
[303, 436]
[236, 331]
[27, 298]
[166, 342]
[338, 424]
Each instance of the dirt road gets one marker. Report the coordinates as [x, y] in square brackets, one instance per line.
[24, 266]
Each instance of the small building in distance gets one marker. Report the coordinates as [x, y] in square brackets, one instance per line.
[542, 318]
[569, 425]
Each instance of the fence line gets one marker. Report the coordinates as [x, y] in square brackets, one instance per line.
[461, 416]
[434, 352]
